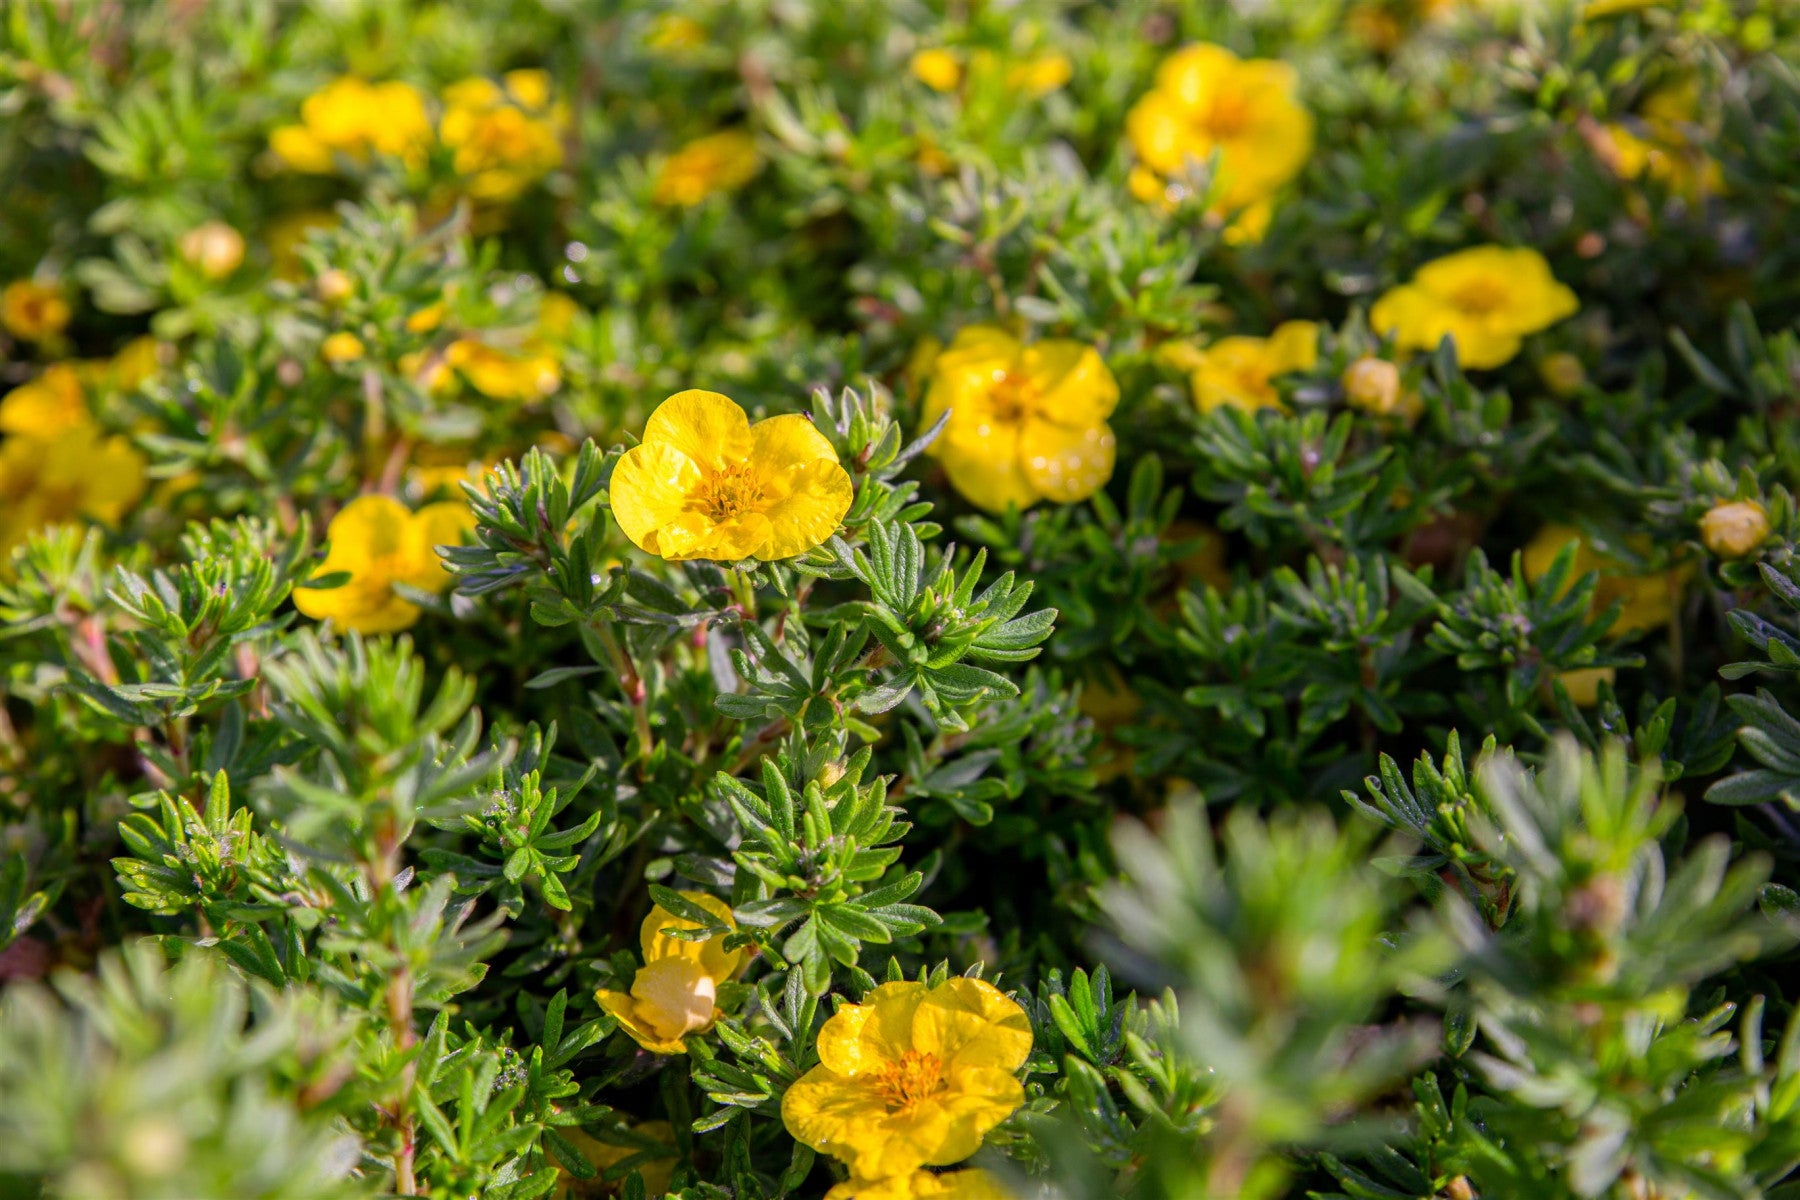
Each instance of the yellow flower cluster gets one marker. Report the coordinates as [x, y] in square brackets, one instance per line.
[56, 464]
[706, 483]
[676, 990]
[379, 542]
[352, 118]
[1486, 299]
[719, 162]
[1241, 115]
[33, 311]
[1027, 420]
[1240, 372]
[504, 138]
[913, 1077]
[1660, 145]
[1036, 76]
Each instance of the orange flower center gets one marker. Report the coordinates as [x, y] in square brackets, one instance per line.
[728, 493]
[1014, 398]
[914, 1077]
[1228, 116]
[1480, 296]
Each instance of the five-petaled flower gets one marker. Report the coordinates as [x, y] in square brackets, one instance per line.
[675, 992]
[1486, 298]
[1207, 102]
[379, 542]
[1240, 372]
[1027, 421]
[914, 1076]
[706, 483]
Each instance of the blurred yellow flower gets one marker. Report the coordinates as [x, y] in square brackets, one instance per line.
[675, 991]
[33, 311]
[1241, 371]
[214, 247]
[287, 233]
[1207, 102]
[1646, 601]
[705, 483]
[655, 1173]
[973, 1184]
[380, 542]
[1660, 145]
[1027, 422]
[937, 68]
[354, 118]
[1734, 529]
[718, 162]
[503, 139]
[525, 373]
[56, 464]
[914, 1076]
[341, 347]
[1040, 74]
[1487, 298]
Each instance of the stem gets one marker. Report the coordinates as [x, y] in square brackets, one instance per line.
[380, 871]
[633, 686]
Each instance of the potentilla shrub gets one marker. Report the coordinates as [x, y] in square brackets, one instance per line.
[991, 601]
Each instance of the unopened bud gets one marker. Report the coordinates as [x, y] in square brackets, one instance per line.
[215, 248]
[1735, 529]
[334, 286]
[1373, 385]
[341, 348]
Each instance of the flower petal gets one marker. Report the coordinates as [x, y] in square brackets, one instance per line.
[831, 1113]
[711, 954]
[624, 1009]
[675, 997]
[650, 487]
[972, 1023]
[1066, 464]
[710, 429]
[986, 468]
[819, 495]
[868, 1036]
[1075, 388]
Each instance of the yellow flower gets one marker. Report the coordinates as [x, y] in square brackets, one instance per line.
[1207, 102]
[675, 990]
[136, 361]
[33, 311]
[1735, 529]
[718, 162]
[1646, 601]
[523, 374]
[1240, 371]
[380, 543]
[974, 1184]
[1486, 298]
[503, 140]
[1027, 422]
[341, 347]
[56, 465]
[214, 247]
[354, 118]
[1665, 151]
[705, 483]
[912, 1077]
[655, 1173]
[1040, 75]
[937, 68]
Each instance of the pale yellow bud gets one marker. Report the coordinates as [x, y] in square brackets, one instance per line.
[341, 348]
[215, 248]
[334, 286]
[1735, 529]
[1373, 385]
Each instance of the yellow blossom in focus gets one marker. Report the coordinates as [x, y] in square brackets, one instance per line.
[56, 464]
[1646, 601]
[504, 137]
[706, 483]
[1734, 529]
[914, 1076]
[354, 118]
[33, 311]
[1207, 102]
[718, 162]
[380, 542]
[1241, 371]
[341, 347]
[1040, 74]
[674, 992]
[605, 1155]
[1027, 421]
[1486, 298]
[937, 68]
[973, 1184]
[215, 248]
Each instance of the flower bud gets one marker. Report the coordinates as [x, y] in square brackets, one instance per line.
[1734, 529]
[1562, 374]
[341, 347]
[214, 247]
[334, 286]
[1373, 385]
